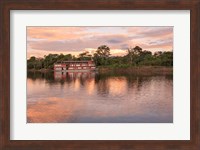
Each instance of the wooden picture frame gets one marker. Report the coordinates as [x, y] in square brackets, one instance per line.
[7, 5]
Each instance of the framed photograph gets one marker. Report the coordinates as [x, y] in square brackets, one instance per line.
[100, 74]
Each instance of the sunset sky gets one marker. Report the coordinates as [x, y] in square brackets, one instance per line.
[44, 40]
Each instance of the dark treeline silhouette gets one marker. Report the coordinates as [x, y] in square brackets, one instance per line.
[134, 57]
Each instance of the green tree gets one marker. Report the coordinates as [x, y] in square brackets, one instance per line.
[103, 51]
[145, 58]
[101, 55]
[49, 60]
[31, 62]
[85, 56]
[167, 59]
[68, 57]
[133, 54]
[60, 57]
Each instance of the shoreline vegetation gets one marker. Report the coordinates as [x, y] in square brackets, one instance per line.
[140, 70]
[136, 61]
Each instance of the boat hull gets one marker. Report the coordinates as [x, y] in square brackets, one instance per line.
[76, 70]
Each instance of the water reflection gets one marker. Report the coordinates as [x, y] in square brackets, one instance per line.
[102, 98]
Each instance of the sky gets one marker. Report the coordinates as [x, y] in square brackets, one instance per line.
[74, 40]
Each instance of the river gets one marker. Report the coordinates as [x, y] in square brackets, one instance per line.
[91, 97]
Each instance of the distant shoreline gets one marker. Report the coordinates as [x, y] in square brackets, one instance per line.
[139, 70]
[40, 70]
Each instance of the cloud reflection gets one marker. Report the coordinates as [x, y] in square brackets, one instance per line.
[99, 98]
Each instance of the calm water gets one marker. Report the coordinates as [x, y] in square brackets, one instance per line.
[99, 98]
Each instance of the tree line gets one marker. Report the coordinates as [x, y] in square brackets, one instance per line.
[135, 56]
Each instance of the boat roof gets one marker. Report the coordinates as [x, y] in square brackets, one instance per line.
[81, 61]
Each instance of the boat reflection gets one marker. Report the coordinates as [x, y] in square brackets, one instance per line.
[73, 75]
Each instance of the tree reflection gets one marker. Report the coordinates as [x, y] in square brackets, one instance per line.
[95, 97]
[104, 83]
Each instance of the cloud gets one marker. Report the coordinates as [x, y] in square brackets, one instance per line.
[124, 46]
[161, 42]
[78, 44]
[55, 33]
[78, 39]
[114, 41]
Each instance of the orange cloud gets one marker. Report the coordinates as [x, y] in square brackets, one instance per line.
[45, 40]
[54, 33]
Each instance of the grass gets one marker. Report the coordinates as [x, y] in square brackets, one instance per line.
[139, 70]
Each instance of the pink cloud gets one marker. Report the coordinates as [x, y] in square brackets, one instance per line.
[54, 33]
[77, 39]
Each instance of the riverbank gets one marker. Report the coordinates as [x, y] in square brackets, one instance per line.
[141, 70]
[40, 70]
